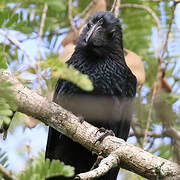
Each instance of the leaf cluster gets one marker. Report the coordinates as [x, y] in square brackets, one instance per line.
[7, 102]
[3, 158]
[60, 69]
[41, 169]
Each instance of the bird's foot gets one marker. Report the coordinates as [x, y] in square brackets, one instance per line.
[77, 178]
[81, 119]
[106, 133]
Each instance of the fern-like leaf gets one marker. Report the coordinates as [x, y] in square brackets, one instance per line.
[41, 169]
[3, 158]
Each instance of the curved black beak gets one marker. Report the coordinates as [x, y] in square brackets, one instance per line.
[93, 29]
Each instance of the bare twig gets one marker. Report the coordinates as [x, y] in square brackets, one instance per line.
[17, 43]
[44, 35]
[149, 120]
[85, 11]
[169, 132]
[172, 132]
[7, 175]
[71, 18]
[105, 165]
[164, 48]
[116, 10]
[43, 19]
[85, 19]
[113, 6]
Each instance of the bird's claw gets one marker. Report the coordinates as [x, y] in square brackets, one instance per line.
[77, 178]
[106, 133]
[81, 119]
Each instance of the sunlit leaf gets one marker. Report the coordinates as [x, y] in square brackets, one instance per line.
[61, 70]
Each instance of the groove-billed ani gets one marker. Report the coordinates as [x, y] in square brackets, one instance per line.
[99, 54]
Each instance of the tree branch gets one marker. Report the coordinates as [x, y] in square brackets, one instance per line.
[127, 156]
[164, 48]
[168, 132]
[7, 175]
[70, 16]
[38, 67]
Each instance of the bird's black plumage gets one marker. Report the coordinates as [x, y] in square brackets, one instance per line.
[99, 54]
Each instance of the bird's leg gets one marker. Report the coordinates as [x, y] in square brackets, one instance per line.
[106, 133]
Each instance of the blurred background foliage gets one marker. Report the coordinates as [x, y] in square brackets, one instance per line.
[157, 102]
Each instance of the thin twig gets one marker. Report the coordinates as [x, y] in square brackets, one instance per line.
[43, 19]
[149, 120]
[70, 17]
[7, 175]
[44, 35]
[116, 10]
[149, 134]
[85, 11]
[105, 165]
[86, 18]
[113, 6]
[17, 43]
[168, 132]
[164, 49]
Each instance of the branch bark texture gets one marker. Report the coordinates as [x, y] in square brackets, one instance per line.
[127, 155]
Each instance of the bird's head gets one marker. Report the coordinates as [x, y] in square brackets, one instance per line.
[102, 34]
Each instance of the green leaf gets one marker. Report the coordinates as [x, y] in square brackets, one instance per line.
[1, 19]
[5, 119]
[172, 98]
[3, 62]
[61, 70]
[6, 112]
[41, 169]
[12, 20]
[7, 96]
[3, 158]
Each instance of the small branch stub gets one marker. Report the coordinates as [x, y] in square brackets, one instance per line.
[105, 165]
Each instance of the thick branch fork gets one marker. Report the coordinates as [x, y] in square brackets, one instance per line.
[116, 150]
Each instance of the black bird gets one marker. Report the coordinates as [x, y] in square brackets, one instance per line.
[99, 54]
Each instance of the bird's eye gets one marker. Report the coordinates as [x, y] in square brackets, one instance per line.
[89, 25]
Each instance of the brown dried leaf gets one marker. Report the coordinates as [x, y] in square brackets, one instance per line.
[136, 65]
[67, 52]
[165, 85]
[70, 38]
[100, 5]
